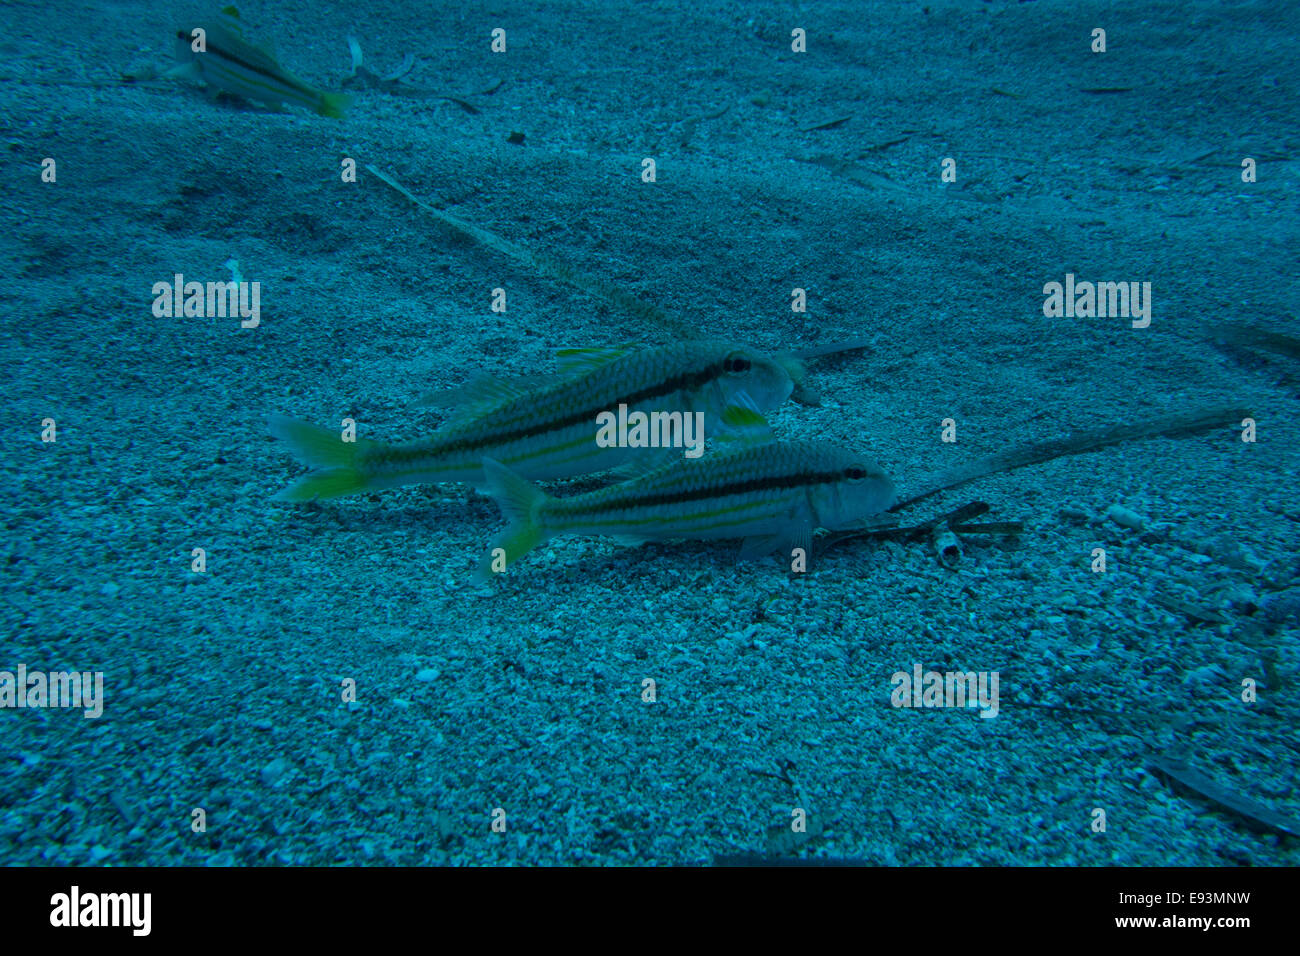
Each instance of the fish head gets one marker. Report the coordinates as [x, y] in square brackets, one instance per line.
[184, 44]
[750, 379]
[856, 488]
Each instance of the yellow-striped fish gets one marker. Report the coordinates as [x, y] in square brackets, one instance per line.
[222, 58]
[548, 429]
[773, 495]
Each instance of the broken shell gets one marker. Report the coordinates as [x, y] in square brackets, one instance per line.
[947, 546]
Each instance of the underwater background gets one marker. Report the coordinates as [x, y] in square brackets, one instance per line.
[324, 684]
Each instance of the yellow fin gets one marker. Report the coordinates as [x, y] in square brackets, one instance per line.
[519, 501]
[321, 486]
[738, 416]
[230, 20]
[320, 448]
[742, 421]
[580, 361]
[334, 105]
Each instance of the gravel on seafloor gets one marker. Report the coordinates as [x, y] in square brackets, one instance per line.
[332, 689]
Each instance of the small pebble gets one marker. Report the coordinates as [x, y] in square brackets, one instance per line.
[274, 773]
[1283, 608]
[1126, 518]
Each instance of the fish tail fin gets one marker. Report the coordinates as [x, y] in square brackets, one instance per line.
[338, 461]
[520, 503]
[333, 104]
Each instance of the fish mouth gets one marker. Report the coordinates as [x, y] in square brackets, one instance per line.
[797, 370]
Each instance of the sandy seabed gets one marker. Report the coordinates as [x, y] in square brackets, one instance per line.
[775, 170]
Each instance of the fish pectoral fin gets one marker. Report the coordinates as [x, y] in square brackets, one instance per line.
[189, 70]
[783, 543]
[800, 538]
[742, 421]
[580, 361]
[630, 540]
[758, 546]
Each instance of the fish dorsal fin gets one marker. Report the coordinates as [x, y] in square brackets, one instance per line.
[226, 33]
[483, 391]
[230, 20]
[580, 361]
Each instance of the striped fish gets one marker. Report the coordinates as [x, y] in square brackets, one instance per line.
[546, 429]
[229, 63]
[773, 495]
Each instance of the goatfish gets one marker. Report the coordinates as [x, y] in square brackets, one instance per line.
[217, 53]
[772, 495]
[548, 428]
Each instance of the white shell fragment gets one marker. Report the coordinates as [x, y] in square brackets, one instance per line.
[1125, 518]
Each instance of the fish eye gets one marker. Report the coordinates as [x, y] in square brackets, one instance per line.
[736, 365]
[855, 473]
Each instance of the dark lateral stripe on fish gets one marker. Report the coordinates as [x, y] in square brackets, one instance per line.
[275, 77]
[690, 380]
[769, 483]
